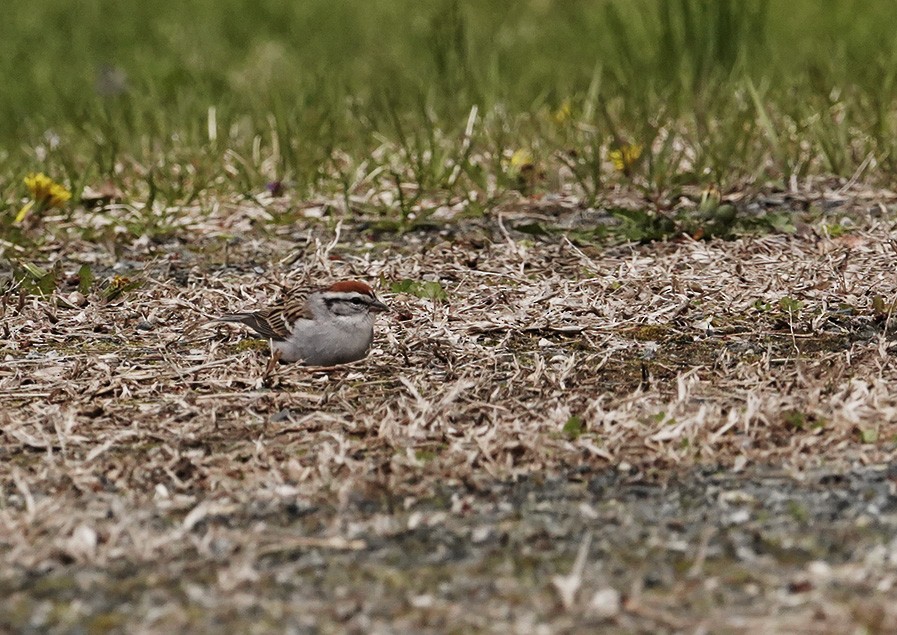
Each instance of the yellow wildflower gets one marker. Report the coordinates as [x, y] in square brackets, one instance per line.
[521, 169]
[522, 159]
[625, 157]
[44, 190]
[45, 194]
[563, 113]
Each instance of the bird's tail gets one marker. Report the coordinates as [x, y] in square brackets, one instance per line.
[235, 317]
[254, 321]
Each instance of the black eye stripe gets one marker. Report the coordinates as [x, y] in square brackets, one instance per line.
[355, 300]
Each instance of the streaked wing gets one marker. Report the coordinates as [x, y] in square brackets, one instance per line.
[296, 310]
[270, 323]
[274, 323]
[266, 323]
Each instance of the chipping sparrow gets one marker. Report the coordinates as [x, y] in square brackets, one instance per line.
[322, 328]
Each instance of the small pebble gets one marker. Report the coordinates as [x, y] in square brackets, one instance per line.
[820, 571]
[143, 325]
[605, 604]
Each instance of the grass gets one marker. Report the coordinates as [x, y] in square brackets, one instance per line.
[622, 240]
[426, 104]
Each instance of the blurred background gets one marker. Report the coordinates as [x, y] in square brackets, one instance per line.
[339, 73]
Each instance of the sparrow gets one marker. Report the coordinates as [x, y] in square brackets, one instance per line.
[324, 327]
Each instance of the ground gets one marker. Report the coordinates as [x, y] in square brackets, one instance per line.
[550, 434]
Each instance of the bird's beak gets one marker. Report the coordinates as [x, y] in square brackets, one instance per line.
[378, 307]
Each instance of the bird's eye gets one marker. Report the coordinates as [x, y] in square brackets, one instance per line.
[356, 301]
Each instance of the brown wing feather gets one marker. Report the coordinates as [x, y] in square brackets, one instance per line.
[296, 310]
[274, 323]
[264, 323]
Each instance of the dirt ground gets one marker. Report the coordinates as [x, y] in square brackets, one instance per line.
[556, 435]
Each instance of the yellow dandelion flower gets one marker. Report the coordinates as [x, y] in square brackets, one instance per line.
[625, 157]
[522, 159]
[521, 170]
[45, 194]
[563, 113]
[45, 190]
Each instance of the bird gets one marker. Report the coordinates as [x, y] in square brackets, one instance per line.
[323, 327]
